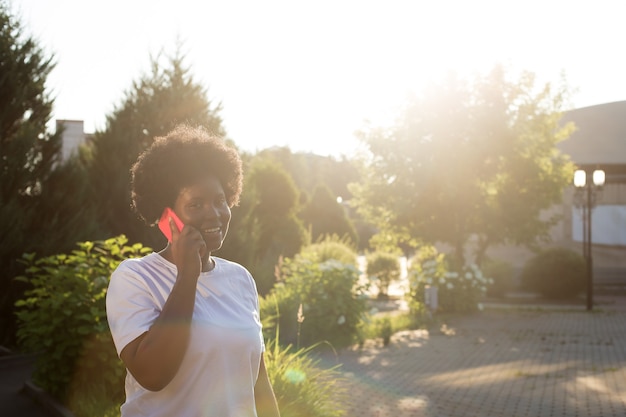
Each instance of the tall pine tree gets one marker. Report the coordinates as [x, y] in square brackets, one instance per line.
[28, 153]
[158, 101]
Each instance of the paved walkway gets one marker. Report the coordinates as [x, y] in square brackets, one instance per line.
[503, 362]
[14, 402]
[498, 363]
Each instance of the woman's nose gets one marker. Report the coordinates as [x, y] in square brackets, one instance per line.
[212, 211]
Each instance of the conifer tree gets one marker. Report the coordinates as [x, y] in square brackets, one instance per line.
[28, 152]
[158, 101]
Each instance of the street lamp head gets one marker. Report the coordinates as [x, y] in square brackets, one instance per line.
[598, 177]
[580, 178]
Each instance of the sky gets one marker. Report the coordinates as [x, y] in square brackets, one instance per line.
[308, 74]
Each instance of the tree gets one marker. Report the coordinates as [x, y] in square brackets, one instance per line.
[309, 170]
[325, 216]
[384, 268]
[468, 159]
[28, 154]
[272, 227]
[158, 101]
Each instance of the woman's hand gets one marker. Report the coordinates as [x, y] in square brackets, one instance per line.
[155, 356]
[188, 250]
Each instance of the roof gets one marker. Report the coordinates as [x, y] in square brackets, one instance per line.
[600, 136]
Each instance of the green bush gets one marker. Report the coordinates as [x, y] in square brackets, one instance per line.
[501, 273]
[63, 317]
[384, 268]
[302, 386]
[332, 303]
[385, 330]
[458, 291]
[383, 326]
[331, 247]
[556, 273]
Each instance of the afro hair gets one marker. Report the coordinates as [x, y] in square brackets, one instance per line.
[182, 157]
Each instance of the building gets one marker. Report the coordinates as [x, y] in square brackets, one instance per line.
[599, 142]
[73, 136]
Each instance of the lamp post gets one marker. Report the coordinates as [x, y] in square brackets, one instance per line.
[586, 197]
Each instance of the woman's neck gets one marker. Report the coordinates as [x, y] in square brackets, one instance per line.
[208, 263]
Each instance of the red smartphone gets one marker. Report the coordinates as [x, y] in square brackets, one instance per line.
[164, 223]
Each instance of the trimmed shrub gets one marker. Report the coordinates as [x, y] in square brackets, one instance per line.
[501, 273]
[331, 247]
[384, 268]
[382, 326]
[556, 273]
[63, 316]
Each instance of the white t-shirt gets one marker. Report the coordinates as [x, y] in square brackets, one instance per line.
[221, 365]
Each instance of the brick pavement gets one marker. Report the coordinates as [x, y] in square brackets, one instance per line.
[539, 363]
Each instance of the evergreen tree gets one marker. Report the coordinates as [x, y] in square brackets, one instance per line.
[326, 216]
[28, 154]
[309, 170]
[158, 101]
[272, 227]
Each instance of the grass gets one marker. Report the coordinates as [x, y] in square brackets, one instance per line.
[300, 383]
[302, 386]
[384, 325]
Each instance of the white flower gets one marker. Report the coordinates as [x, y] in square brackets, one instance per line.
[468, 275]
[450, 275]
[450, 285]
[429, 263]
[341, 320]
[455, 274]
[480, 307]
[330, 265]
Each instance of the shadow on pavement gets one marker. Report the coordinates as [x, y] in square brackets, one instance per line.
[19, 397]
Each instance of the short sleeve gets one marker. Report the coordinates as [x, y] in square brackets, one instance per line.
[258, 308]
[131, 308]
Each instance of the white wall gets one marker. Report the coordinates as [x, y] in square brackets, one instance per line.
[608, 225]
[73, 135]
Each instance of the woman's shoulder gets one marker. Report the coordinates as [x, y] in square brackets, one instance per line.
[230, 266]
[137, 265]
[234, 272]
[135, 262]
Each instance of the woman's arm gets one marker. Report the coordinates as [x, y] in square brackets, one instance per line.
[155, 357]
[266, 405]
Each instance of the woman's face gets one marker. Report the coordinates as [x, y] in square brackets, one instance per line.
[203, 205]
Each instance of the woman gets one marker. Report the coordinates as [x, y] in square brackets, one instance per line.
[186, 323]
